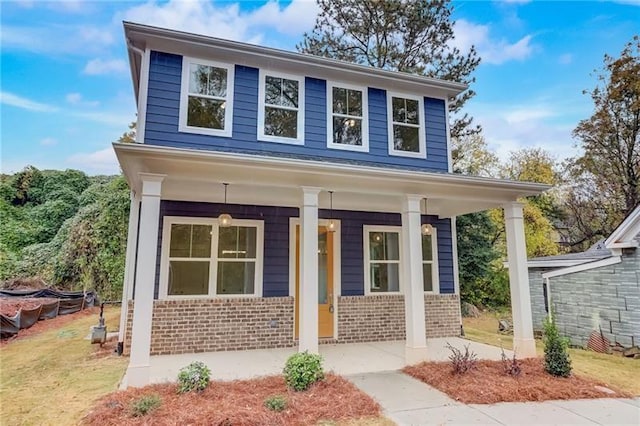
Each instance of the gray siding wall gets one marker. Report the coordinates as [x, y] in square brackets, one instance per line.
[606, 298]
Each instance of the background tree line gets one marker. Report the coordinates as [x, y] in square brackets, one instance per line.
[70, 229]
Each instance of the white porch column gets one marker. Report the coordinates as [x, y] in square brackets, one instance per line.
[308, 316]
[138, 371]
[129, 263]
[523, 341]
[412, 281]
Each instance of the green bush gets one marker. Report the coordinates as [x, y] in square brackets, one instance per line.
[145, 404]
[193, 377]
[556, 356]
[302, 370]
[276, 403]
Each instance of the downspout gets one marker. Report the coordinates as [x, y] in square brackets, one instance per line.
[549, 314]
[139, 98]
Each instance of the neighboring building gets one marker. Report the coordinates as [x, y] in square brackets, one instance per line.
[341, 199]
[597, 290]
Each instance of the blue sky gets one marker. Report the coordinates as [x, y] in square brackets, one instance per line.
[66, 93]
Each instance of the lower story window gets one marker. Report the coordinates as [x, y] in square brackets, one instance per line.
[202, 259]
[430, 261]
[382, 259]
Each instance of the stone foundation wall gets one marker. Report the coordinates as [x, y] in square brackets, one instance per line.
[209, 325]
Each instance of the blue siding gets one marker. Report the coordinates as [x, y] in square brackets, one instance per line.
[163, 103]
[276, 241]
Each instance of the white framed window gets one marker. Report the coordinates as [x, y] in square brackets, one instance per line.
[382, 259]
[347, 117]
[281, 108]
[201, 259]
[206, 97]
[430, 275]
[405, 117]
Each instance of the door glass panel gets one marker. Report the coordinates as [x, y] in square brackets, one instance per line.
[322, 268]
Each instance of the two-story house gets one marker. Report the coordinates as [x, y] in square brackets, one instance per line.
[287, 200]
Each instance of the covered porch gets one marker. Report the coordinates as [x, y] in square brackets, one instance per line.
[156, 173]
[342, 359]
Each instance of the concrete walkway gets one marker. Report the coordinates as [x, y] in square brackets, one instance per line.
[408, 401]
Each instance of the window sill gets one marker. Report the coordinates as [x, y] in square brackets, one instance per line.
[204, 131]
[408, 154]
[288, 141]
[345, 147]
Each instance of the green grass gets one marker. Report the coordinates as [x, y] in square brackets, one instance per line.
[616, 371]
[53, 378]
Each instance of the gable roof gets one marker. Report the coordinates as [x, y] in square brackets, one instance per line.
[140, 37]
[595, 252]
[627, 234]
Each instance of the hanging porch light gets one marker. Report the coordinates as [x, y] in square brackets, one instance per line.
[426, 228]
[332, 223]
[224, 220]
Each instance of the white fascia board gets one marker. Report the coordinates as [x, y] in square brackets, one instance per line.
[625, 232]
[584, 267]
[177, 41]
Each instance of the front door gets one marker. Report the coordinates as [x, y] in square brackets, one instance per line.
[325, 281]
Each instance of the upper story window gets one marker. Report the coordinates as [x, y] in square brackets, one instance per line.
[406, 125]
[430, 261]
[347, 112]
[201, 259]
[382, 259]
[206, 97]
[281, 108]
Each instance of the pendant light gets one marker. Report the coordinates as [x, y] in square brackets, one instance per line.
[332, 223]
[224, 220]
[426, 228]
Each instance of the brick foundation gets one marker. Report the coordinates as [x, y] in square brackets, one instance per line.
[209, 325]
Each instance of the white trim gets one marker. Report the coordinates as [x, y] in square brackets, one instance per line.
[337, 267]
[623, 236]
[141, 119]
[184, 98]
[448, 132]
[366, 230]
[583, 267]
[435, 273]
[213, 260]
[454, 252]
[299, 140]
[422, 148]
[365, 117]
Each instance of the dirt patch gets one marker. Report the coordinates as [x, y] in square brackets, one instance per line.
[488, 384]
[49, 324]
[10, 306]
[239, 402]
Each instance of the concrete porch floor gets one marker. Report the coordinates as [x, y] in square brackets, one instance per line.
[343, 359]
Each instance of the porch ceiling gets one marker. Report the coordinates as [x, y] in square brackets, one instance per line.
[196, 175]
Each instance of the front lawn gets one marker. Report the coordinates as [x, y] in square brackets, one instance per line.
[619, 372]
[54, 376]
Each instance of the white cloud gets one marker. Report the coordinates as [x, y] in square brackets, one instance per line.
[111, 118]
[77, 99]
[98, 162]
[56, 39]
[48, 142]
[565, 59]
[226, 20]
[101, 67]
[490, 50]
[11, 99]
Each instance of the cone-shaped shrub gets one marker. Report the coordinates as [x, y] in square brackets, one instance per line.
[556, 356]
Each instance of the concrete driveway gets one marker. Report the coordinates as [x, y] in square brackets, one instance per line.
[408, 401]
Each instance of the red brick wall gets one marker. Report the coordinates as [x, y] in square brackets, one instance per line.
[208, 325]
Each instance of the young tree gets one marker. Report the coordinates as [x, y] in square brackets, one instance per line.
[470, 155]
[611, 136]
[129, 136]
[413, 37]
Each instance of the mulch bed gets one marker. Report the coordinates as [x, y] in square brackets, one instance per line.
[240, 402]
[489, 384]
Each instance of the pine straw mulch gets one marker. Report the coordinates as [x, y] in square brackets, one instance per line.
[240, 402]
[489, 384]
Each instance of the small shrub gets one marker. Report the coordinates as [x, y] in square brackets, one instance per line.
[145, 404]
[511, 366]
[302, 370]
[462, 362]
[193, 377]
[276, 403]
[556, 356]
